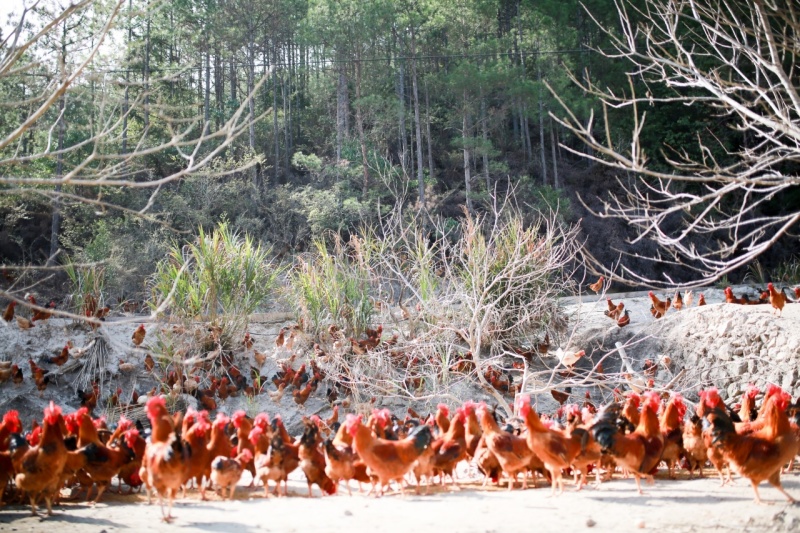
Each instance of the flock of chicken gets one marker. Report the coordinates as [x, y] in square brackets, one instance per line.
[634, 435]
[658, 307]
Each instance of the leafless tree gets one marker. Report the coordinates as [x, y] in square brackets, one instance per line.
[739, 59]
[457, 299]
[55, 72]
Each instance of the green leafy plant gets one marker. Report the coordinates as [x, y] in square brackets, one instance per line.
[86, 283]
[335, 285]
[223, 276]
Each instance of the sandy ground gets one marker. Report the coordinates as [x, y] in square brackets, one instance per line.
[680, 505]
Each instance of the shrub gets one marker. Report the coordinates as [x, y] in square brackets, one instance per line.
[223, 276]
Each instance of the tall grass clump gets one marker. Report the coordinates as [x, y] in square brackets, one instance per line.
[222, 277]
[87, 283]
[332, 286]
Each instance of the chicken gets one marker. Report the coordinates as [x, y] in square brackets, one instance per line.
[747, 411]
[149, 363]
[244, 425]
[472, 429]
[280, 339]
[195, 436]
[8, 426]
[16, 375]
[731, 299]
[8, 314]
[556, 450]
[709, 400]
[630, 411]
[342, 464]
[487, 462]
[776, 299]
[624, 320]
[6, 373]
[24, 323]
[292, 459]
[42, 314]
[677, 303]
[41, 466]
[89, 398]
[387, 460]
[247, 342]
[102, 462]
[62, 357]
[270, 465]
[446, 450]
[129, 473]
[226, 472]
[569, 358]
[220, 443]
[672, 430]
[163, 465]
[758, 457]
[512, 452]
[688, 297]
[138, 335]
[614, 310]
[312, 459]
[561, 397]
[597, 286]
[658, 308]
[639, 451]
[276, 396]
[590, 453]
[453, 447]
[300, 396]
[694, 446]
[701, 300]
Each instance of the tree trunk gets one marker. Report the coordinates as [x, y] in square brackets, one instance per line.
[286, 113]
[233, 79]
[553, 144]
[420, 176]
[251, 104]
[55, 223]
[360, 124]
[207, 91]
[467, 168]
[276, 138]
[126, 101]
[147, 72]
[431, 175]
[485, 149]
[526, 132]
[401, 97]
[541, 129]
[342, 107]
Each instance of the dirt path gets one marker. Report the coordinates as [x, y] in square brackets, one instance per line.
[682, 505]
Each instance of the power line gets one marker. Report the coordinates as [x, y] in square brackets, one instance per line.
[324, 64]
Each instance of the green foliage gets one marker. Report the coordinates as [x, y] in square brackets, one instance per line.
[223, 275]
[787, 272]
[546, 199]
[333, 286]
[87, 282]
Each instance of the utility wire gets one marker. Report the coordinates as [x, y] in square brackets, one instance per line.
[322, 64]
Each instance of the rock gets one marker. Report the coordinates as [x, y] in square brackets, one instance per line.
[590, 523]
[787, 383]
[724, 328]
[725, 353]
[733, 389]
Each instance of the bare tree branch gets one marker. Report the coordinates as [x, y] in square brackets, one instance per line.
[738, 59]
